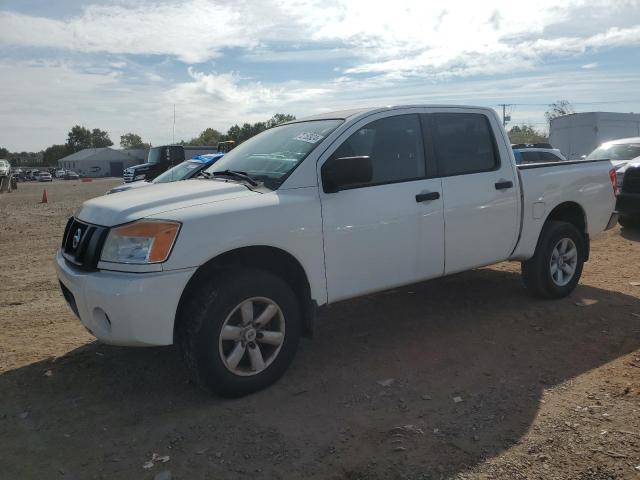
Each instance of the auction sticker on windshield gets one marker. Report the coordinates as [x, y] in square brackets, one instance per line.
[309, 137]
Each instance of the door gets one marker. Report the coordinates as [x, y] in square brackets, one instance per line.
[388, 232]
[480, 194]
[116, 169]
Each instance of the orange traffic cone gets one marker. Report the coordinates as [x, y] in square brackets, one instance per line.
[44, 197]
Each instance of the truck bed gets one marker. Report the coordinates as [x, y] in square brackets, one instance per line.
[545, 186]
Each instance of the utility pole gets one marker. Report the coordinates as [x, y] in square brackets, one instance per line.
[174, 124]
[505, 118]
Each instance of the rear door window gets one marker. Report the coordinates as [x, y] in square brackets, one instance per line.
[549, 157]
[463, 143]
[531, 157]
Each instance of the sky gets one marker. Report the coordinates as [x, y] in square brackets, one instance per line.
[122, 65]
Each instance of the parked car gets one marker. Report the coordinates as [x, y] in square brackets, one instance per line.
[525, 153]
[184, 171]
[620, 152]
[71, 175]
[59, 173]
[318, 210]
[44, 177]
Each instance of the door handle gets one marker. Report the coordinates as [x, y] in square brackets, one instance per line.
[504, 185]
[425, 197]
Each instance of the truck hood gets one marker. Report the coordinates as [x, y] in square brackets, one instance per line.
[130, 186]
[130, 205]
[140, 166]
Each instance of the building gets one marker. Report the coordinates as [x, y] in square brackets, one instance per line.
[579, 134]
[103, 162]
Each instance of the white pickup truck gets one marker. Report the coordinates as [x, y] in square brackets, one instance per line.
[232, 268]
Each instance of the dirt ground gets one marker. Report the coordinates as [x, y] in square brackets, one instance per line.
[465, 377]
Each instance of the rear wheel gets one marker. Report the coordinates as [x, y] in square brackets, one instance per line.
[555, 268]
[239, 332]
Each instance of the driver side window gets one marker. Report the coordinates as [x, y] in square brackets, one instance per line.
[394, 145]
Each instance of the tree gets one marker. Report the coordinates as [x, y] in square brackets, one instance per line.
[54, 153]
[239, 133]
[100, 138]
[4, 153]
[132, 140]
[279, 118]
[78, 139]
[558, 109]
[526, 134]
[209, 136]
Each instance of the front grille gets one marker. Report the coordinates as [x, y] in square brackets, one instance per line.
[631, 182]
[82, 243]
[127, 177]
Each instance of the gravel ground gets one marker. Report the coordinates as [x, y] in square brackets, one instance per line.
[462, 377]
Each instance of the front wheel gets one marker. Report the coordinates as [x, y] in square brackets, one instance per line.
[239, 332]
[555, 268]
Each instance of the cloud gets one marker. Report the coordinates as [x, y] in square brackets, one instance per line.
[453, 37]
[144, 56]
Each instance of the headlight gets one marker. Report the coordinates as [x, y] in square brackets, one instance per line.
[144, 241]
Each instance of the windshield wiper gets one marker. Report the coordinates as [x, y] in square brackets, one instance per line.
[204, 173]
[237, 174]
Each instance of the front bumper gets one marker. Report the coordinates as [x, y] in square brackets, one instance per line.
[628, 203]
[131, 309]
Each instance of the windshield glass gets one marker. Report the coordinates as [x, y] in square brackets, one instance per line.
[271, 155]
[615, 151]
[179, 172]
[154, 155]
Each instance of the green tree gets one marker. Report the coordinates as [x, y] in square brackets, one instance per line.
[239, 133]
[100, 138]
[209, 136]
[4, 153]
[526, 134]
[558, 109]
[279, 118]
[54, 153]
[132, 140]
[78, 139]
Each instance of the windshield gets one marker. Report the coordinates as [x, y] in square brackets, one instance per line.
[270, 156]
[179, 172]
[615, 151]
[154, 155]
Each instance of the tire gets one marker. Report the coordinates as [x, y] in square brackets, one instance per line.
[539, 274]
[220, 303]
[628, 221]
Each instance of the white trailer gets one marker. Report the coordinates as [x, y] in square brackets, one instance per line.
[579, 134]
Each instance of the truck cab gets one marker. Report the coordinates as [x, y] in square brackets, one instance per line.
[161, 159]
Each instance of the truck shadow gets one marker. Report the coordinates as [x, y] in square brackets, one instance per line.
[464, 361]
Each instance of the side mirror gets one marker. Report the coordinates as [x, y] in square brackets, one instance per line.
[340, 173]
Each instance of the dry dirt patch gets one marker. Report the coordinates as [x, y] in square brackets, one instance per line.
[463, 377]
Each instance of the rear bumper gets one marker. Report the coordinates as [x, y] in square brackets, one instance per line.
[628, 203]
[131, 309]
